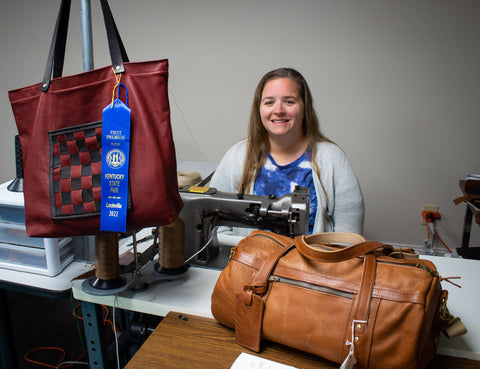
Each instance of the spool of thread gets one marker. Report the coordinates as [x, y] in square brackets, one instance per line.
[107, 266]
[187, 177]
[171, 239]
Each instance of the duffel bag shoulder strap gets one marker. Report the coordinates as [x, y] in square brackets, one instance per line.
[356, 336]
[249, 305]
[306, 245]
[303, 244]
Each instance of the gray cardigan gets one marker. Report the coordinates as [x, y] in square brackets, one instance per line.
[343, 212]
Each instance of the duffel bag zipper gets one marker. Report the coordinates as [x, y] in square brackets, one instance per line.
[311, 286]
[333, 291]
[269, 237]
[234, 249]
[419, 266]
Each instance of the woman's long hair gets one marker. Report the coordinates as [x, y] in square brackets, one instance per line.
[258, 144]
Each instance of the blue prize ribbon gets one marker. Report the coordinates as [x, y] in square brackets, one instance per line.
[115, 160]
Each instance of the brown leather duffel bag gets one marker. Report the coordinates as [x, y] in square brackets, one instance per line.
[350, 304]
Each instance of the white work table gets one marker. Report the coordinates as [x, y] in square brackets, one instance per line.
[46, 285]
[188, 293]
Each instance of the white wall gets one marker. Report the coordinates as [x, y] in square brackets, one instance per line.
[396, 85]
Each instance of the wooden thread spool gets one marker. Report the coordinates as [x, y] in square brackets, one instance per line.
[171, 239]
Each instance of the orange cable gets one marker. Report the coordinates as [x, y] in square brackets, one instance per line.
[105, 320]
[442, 240]
[435, 231]
[28, 359]
[42, 349]
[50, 365]
[426, 223]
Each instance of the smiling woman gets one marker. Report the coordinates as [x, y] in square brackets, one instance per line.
[285, 148]
[281, 111]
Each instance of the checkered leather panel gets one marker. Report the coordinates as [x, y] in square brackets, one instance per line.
[75, 171]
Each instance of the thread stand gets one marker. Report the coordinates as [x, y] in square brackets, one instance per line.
[137, 283]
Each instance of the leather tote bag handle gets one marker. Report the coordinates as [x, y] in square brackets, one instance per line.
[306, 246]
[56, 55]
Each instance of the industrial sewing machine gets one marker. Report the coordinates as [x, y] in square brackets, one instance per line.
[207, 211]
[197, 242]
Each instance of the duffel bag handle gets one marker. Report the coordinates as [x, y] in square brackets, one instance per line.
[335, 237]
[56, 55]
[306, 246]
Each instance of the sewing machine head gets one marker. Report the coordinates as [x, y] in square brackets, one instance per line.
[207, 211]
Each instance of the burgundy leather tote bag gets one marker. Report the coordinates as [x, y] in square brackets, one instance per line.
[59, 123]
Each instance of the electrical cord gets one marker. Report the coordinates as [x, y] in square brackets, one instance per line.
[115, 334]
[442, 241]
[429, 222]
[105, 319]
[61, 350]
[212, 235]
[72, 363]
[189, 130]
[79, 330]
[426, 223]
[60, 363]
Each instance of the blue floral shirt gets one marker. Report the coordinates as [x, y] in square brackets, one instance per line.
[278, 180]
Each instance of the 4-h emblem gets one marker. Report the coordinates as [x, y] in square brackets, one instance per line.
[115, 158]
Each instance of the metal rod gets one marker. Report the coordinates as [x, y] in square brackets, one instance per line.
[87, 43]
[136, 272]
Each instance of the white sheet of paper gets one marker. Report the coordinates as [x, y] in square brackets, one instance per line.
[247, 361]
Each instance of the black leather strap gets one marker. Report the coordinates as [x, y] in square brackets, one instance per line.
[115, 44]
[56, 55]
